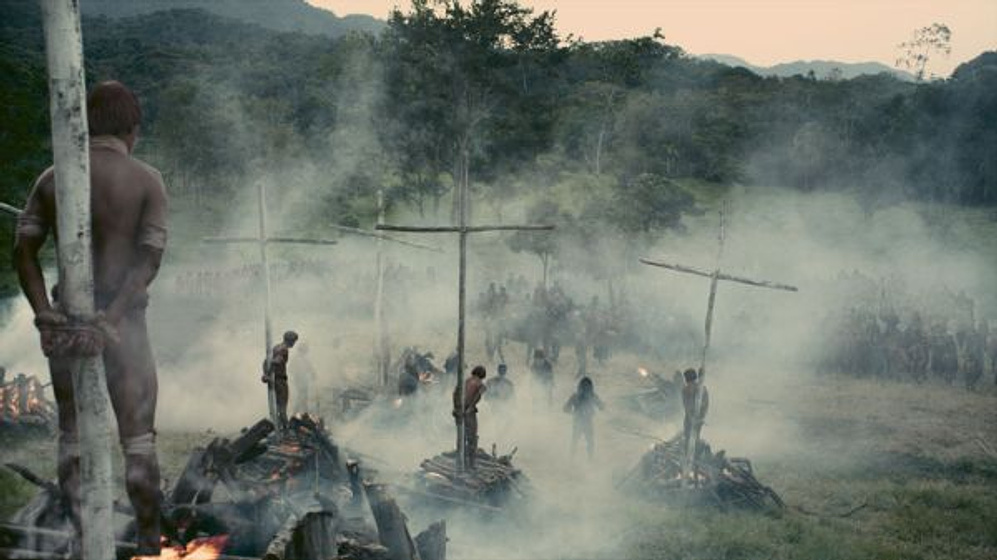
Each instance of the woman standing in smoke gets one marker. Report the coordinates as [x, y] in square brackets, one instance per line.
[582, 406]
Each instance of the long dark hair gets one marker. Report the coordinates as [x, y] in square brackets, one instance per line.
[585, 388]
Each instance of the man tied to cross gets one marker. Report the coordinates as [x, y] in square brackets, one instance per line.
[696, 396]
[462, 229]
[129, 224]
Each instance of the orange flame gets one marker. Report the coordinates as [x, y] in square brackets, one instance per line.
[206, 548]
[643, 371]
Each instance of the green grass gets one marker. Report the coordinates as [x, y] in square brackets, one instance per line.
[947, 512]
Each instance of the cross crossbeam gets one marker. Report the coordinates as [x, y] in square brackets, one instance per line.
[463, 229]
[720, 276]
[9, 210]
[715, 278]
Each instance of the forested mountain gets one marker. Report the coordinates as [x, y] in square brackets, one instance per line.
[822, 69]
[622, 135]
[279, 15]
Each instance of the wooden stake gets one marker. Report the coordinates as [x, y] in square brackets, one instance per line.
[381, 359]
[391, 528]
[71, 156]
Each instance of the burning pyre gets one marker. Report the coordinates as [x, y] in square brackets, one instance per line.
[281, 495]
[727, 482]
[23, 403]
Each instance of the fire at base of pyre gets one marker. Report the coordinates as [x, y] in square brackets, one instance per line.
[280, 495]
[23, 405]
[715, 479]
[492, 484]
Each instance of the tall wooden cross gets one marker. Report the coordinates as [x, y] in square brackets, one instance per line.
[462, 230]
[263, 239]
[715, 277]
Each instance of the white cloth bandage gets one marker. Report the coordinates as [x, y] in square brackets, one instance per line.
[29, 225]
[144, 444]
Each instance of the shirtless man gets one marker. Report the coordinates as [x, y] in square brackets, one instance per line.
[278, 374]
[128, 205]
[474, 388]
[693, 423]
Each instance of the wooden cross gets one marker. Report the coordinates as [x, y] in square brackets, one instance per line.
[715, 277]
[263, 239]
[462, 229]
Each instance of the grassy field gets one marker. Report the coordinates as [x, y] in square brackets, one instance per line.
[869, 470]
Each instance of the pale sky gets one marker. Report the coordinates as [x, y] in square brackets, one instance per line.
[765, 32]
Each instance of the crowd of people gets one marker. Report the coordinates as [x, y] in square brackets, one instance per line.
[548, 319]
[934, 335]
[245, 278]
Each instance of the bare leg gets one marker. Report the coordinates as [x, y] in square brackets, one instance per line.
[133, 387]
[281, 394]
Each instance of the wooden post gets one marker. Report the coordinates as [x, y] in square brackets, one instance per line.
[310, 538]
[461, 299]
[267, 327]
[432, 543]
[71, 156]
[391, 528]
[381, 351]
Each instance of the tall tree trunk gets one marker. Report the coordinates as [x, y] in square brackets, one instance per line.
[70, 151]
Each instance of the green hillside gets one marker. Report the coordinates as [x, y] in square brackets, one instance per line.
[626, 136]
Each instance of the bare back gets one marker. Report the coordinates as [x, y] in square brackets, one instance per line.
[128, 206]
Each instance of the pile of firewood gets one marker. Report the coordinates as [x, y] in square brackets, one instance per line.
[492, 483]
[727, 482]
[276, 495]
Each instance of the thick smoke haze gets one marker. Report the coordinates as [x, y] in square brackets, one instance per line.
[206, 323]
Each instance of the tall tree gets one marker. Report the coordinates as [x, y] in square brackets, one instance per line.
[925, 43]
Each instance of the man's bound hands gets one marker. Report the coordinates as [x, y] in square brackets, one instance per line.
[62, 337]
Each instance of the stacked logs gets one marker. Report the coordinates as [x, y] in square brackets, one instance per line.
[285, 495]
[493, 483]
[727, 482]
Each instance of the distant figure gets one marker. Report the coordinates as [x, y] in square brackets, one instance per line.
[278, 374]
[543, 376]
[408, 377]
[501, 389]
[582, 406]
[693, 423]
[943, 354]
[474, 388]
[450, 365]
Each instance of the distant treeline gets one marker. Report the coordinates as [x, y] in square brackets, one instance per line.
[493, 86]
